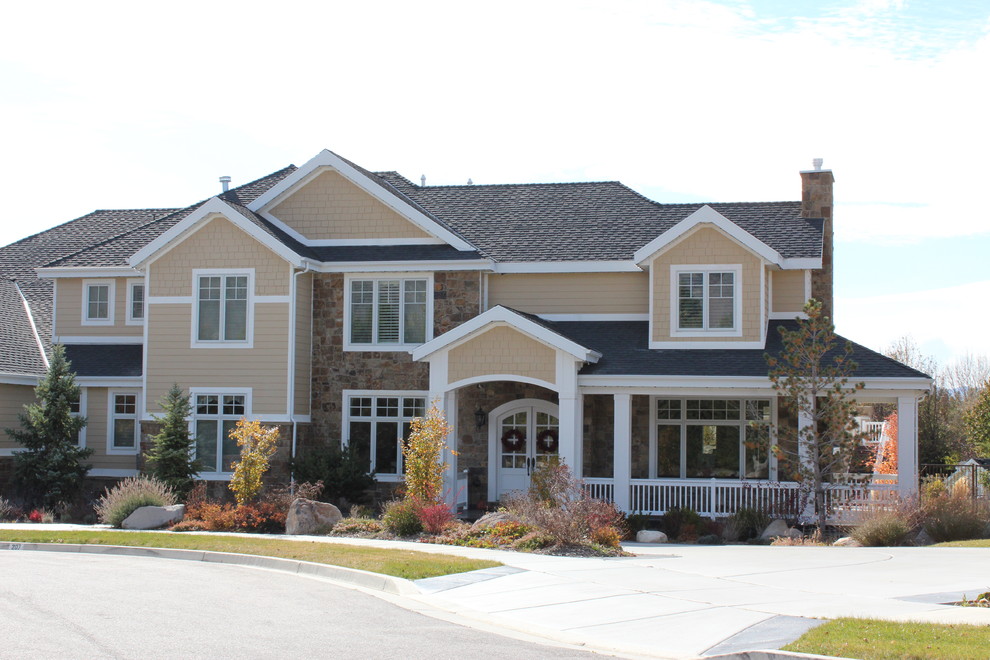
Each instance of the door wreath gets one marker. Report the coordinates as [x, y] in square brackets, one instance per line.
[547, 441]
[513, 440]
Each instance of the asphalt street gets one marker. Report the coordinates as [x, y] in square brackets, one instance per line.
[61, 605]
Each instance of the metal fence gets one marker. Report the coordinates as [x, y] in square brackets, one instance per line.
[970, 477]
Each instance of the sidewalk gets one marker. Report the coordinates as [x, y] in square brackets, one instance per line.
[680, 601]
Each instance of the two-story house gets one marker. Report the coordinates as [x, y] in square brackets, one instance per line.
[581, 320]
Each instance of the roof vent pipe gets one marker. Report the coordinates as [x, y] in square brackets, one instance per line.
[470, 182]
[817, 162]
[225, 182]
[422, 180]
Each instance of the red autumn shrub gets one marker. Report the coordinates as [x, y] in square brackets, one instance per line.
[435, 517]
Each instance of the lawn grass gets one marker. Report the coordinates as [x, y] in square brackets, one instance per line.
[872, 639]
[976, 543]
[408, 564]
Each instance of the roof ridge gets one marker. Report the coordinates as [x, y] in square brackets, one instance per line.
[85, 215]
[261, 178]
[497, 185]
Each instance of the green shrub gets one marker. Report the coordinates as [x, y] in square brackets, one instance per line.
[710, 539]
[883, 527]
[745, 524]
[534, 541]
[955, 518]
[129, 495]
[401, 518]
[344, 473]
[683, 523]
[931, 488]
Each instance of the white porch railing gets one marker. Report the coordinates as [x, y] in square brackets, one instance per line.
[719, 498]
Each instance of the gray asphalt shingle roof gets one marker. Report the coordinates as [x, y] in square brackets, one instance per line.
[624, 346]
[105, 360]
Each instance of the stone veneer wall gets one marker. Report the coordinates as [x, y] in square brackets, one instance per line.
[456, 299]
[816, 202]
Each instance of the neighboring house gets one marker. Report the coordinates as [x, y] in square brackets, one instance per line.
[580, 319]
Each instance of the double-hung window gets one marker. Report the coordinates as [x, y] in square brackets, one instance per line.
[135, 303]
[123, 423]
[214, 417]
[388, 312]
[223, 307]
[377, 425]
[705, 300]
[98, 299]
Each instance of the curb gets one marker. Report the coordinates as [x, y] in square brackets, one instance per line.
[770, 655]
[366, 579]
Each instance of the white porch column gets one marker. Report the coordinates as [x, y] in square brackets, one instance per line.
[621, 450]
[446, 402]
[569, 404]
[907, 446]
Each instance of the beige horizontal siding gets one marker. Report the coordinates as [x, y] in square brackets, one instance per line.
[788, 291]
[502, 350]
[69, 311]
[304, 343]
[707, 246]
[571, 293]
[330, 207]
[218, 244]
[13, 398]
[264, 368]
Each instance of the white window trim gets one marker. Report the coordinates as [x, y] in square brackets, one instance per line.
[248, 341]
[246, 392]
[346, 421]
[676, 270]
[131, 320]
[111, 299]
[82, 413]
[383, 348]
[112, 415]
[683, 423]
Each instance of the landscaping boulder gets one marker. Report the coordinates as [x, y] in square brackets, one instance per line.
[308, 516]
[490, 519]
[153, 517]
[922, 538]
[650, 536]
[847, 542]
[775, 529]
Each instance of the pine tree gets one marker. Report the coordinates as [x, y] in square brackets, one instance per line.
[50, 471]
[812, 375]
[170, 458]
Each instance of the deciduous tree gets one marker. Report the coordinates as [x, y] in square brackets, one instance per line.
[812, 375]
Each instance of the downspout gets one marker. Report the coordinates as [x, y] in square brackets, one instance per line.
[292, 362]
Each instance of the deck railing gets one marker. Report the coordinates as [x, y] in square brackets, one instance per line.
[719, 498]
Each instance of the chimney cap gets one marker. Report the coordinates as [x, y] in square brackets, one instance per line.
[817, 163]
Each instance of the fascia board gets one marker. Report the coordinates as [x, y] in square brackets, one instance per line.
[109, 381]
[507, 316]
[707, 215]
[217, 206]
[19, 379]
[746, 382]
[327, 158]
[398, 266]
[54, 272]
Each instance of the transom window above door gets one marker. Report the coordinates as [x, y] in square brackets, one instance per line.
[387, 312]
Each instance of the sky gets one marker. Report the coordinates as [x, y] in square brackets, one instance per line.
[136, 105]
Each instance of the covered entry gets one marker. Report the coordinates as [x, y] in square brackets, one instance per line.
[502, 345]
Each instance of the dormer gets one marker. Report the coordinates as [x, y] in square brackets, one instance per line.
[710, 283]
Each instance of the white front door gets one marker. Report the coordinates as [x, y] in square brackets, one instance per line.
[524, 435]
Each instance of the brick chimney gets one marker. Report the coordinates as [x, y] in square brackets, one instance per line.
[816, 202]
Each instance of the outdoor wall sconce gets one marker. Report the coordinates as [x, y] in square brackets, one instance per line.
[480, 418]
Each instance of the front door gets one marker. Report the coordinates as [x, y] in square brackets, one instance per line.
[525, 437]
